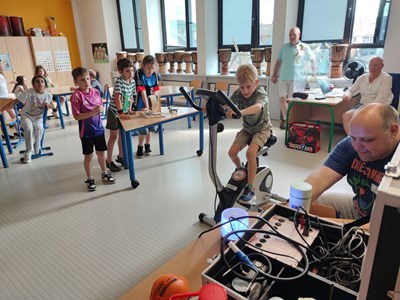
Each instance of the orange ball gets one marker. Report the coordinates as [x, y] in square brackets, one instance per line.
[168, 285]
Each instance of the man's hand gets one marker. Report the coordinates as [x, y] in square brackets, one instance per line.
[274, 79]
[145, 109]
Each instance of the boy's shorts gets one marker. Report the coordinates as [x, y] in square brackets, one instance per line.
[112, 120]
[99, 143]
[243, 138]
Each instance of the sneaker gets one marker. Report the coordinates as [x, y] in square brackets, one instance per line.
[248, 196]
[55, 114]
[106, 177]
[139, 152]
[147, 149]
[27, 157]
[112, 166]
[282, 125]
[121, 161]
[91, 185]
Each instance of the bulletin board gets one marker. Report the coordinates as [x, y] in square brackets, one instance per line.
[53, 52]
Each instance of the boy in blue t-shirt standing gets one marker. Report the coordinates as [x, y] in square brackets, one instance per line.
[120, 107]
[147, 83]
[87, 107]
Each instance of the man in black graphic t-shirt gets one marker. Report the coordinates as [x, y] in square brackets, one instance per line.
[362, 156]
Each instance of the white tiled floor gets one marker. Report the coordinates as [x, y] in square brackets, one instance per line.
[59, 241]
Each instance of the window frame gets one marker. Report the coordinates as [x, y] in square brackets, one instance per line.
[348, 28]
[138, 27]
[188, 24]
[255, 29]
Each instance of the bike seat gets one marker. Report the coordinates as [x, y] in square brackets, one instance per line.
[268, 144]
[271, 140]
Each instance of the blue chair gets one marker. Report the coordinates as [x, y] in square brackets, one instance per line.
[395, 89]
[108, 91]
[17, 123]
[41, 153]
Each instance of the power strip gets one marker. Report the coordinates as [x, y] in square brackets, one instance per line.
[278, 248]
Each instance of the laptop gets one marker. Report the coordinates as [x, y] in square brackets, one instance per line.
[326, 90]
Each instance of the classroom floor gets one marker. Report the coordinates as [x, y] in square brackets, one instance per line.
[59, 241]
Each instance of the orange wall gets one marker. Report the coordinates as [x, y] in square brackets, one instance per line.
[35, 13]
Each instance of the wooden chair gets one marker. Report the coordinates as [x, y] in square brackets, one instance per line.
[196, 84]
[223, 86]
[321, 210]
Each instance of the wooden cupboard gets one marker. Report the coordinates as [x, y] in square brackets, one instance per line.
[17, 51]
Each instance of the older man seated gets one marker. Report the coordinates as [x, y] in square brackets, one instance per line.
[362, 156]
[373, 87]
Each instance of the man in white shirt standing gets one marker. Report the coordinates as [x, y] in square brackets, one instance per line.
[373, 87]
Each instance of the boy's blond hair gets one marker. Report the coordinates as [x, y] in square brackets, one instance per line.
[246, 74]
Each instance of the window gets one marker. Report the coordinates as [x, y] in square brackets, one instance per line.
[130, 25]
[179, 24]
[361, 24]
[242, 25]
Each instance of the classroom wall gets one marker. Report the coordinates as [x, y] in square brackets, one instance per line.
[36, 14]
[97, 21]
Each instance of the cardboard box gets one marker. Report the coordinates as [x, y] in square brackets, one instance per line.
[304, 137]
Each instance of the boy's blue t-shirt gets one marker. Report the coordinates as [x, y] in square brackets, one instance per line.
[149, 84]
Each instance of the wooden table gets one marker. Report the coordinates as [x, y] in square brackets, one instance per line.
[327, 110]
[189, 263]
[138, 121]
[170, 91]
[4, 102]
[57, 92]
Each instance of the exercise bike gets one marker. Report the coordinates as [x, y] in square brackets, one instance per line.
[232, 191]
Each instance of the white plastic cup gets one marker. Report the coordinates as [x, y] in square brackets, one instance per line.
[230, 214]
[300, 195]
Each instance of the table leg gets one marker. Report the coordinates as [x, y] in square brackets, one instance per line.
[161, 138]
[124, 148]
[287, 121]
[66, 106]
[5, 133]
[3, 154]
[60, 112]
[129, 157]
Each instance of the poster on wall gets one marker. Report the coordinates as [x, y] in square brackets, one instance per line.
[63, 61]
[100, 53]
[5, 61]
[44, 59]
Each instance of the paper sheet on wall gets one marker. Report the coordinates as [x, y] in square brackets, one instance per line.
[44, 58]
[63, 61]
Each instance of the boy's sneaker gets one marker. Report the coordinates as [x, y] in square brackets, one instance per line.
[27, 157]
[121, 161]
[91, 185]
[112, 166]
[147, 149]
[139, 152]
[106, 177]
[248, 196]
